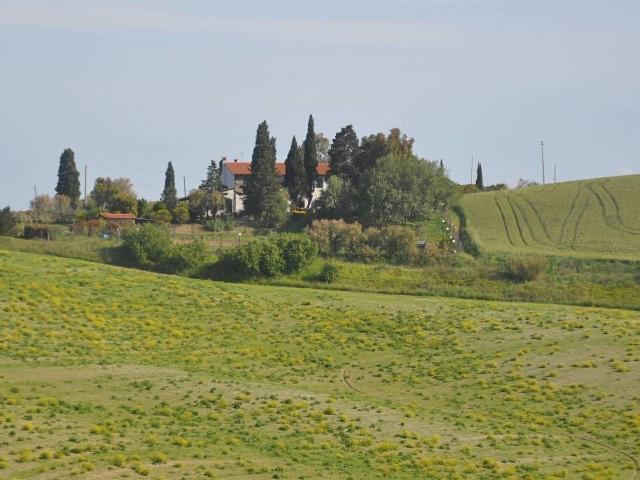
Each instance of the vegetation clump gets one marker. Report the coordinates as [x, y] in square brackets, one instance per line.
[282, 253]
[524, 268]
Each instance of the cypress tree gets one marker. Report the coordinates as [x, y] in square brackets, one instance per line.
[169, 194]
[310, 160]
[479, 182]
[261, 187]
[295, 176]
[343, 152]
[68, 177]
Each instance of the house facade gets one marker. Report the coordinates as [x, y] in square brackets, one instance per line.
[234, 174]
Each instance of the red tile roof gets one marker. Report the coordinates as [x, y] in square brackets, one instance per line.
[118, 216]
[244, 168]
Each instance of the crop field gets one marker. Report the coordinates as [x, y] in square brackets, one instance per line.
[598, 218]
[113, 373]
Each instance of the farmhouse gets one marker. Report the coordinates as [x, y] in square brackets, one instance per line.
[235, 172]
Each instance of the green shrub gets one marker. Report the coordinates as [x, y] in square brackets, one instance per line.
[338, 238]
[180, 214]
[396, 244]
[147, 246]
[184, 257]
[330, 272]
[283, 253]
[48, 232]
[162, 215]
[252, 260]
[524, 268]
[298, 250]
[219, 224]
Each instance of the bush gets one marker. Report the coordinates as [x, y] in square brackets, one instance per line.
[219, 224]
[284, 253]
[298, 250]
[330, 272]
[47, 232]
[524, 268]
[253, 260]
[162, 215]
[184, 257]
[147, 246]
[89, 227]
[180, 214]
[336, 237]
[396, 244]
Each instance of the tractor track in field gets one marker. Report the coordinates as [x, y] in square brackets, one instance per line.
[617, 209]
[578, 220]
[636, 463]
[539, 217]
[566, 219]
[525, 219]
[607, 220]
[345, 379]
[517, 221]
[504, 221]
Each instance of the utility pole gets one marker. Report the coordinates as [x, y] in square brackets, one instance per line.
[184, 186]
[542, 159]
[85, 186]
[471, 181]
[554, 173]
[35, 203]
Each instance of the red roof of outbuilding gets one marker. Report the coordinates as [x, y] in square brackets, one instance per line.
[244, 168]
[118, 216]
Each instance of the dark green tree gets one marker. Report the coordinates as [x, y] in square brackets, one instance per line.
[261, 187]
[479, 181]
[310, 160]
[371, 149]
[295, 175]
[169, 194]
[7, 220]
[68, 177]
[343, 152]
[210, 185]
[213, 181]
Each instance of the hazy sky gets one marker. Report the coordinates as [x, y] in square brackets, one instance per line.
[131, 85]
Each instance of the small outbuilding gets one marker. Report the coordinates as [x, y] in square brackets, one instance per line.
[119, 218]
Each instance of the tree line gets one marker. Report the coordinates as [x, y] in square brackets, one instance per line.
[376, 179]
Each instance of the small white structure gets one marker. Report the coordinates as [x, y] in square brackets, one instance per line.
[234, 174]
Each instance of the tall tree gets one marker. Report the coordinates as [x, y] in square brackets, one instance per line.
[479, 181]
[261, 187]
[343, 152]
[295, 175]
[210, 186]
[322, 147]
[169, 194]
[68, 177]
[310, 160]
[371, 149]
[115, 195]
[213, 181]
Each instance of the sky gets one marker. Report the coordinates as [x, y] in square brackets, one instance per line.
[132, 85]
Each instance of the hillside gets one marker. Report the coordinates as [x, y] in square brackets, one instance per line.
[114, 373]
[594, 218]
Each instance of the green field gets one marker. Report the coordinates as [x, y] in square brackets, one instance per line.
[593, 218]
[113, 373]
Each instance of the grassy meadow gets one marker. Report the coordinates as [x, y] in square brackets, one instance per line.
[114, 373]
[592, 218]
[573, 281]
